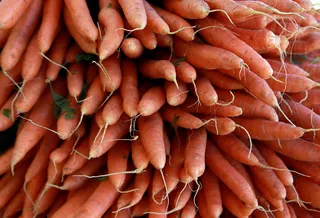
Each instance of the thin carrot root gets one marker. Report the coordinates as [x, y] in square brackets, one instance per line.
[208, 122]
[180, 29]
[110, 174]
[107, 98]
[279, 169]
[285, 116]
[132, 127]
[77, 127]
[208, 27]
[127, 191]
[27, 193]
[223, 11]
[196, 193]
[197, 95]
[228, 103]
[15, 83]
[55, 63]
[249, 137]
[165, 187]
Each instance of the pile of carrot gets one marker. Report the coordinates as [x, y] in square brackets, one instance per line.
[178, 109]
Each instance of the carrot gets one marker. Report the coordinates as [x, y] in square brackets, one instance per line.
[201, 204]
[234, 147]
[135, 13]
[43, 202]
[155, 21]
[90, 74]
[111, 20]
[78, 159]
[220, 80]
[148, 126]
[76, 200]
[166, 140]
[308, 98]
[212, 195]
[227, 40]
[307, 168]
[205, 91]
[267, 130]
[111, 79]
[308, 191]
[291, 211]
[85, 44]
[41, 114]
[20, 35]
[50, 24]
[60, 200]
[189, 210]
[284, 213]
[164, 41]
[156, 69]
[72, 53]
[195, 153]
[229, 175]
[254, 22]
[4, 34]
[276, 202]
[219, 125]
[40, 161]
[291, 83]
[68, 119]
[177, 24]
[152, 101]
[8, 115]
[57, 53]
[174, 95]
[113, 110]
[251, 107]
[300, 211]
[145, 36]
[306, 4]
[124, 199]
[75, 79]
[129, 87]
[80, 177]
[80, 11]
[101, 200]
[178, 117]
[12, 187]
[113, 133]
[132, 48]
[209, 58]
[180, 197]
[139, 155]
[118, 162]
[233, 203]
[305, 45]
[32, 91]
[109, 3]
[218, 110]
[297, 149]
[15, 205]
[5, 161]
[288, 68]
[191, 9]
[286, 5]
[157, 210]
[14, 10]
[141, 208]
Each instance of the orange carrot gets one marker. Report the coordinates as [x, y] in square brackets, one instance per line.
[251, 107]
[15, 205]
[308, 191]
[153, 126]
[113, 110]
[4, 34]
[14, 10]
[80, 11]
[50, 24]
[32, 91]
[86, 45]
[229, 175]
[177, 24]
[135, 13]
[112, 79]
[180, 118]
[275, 161]
[227, 40]
[78, 159]
[189, 210]
[57, 53]
[20, 35]
[233, 146]
[90, 74]
[300, 211]
[155, 21]
[43, 202]
[212, 195]
[297, 149]
[152, 101]
[129, 87]
[41, 114]
[291, 83]
[220, 80]
[205, 91]
[291, 211]
[284, 213]
[286, 5]
[75, 79]
[139, 155]
[280, 67]
[180, 196]
[255, 85]
[145, 36]
[132, 48]
[218, 110]
[267, 130]
[164, 41]
[156, 69]
[209, 58]
[72, 52]
[139, 209]
[201, 204]
[113, 133]
[190, 9]
[219, 125]
[254, 22]
[60, 200]
[306, 45]
[308, 98]
[7, 116]
[77, 199]
[111, 20]
[5, 161]
[174, 95]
